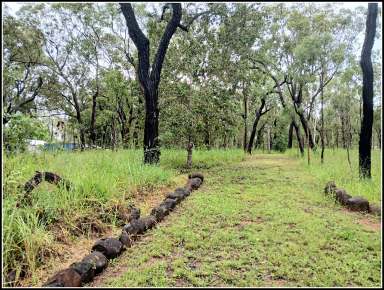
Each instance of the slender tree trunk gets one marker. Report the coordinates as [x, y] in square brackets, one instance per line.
[290, 135]
[259, 113]
[308, 147]
[253, 133]
[207, 141]
[322, 117]
[307, 130]
[259, 136]
[300, 140]
[366, 66]
[189, 155]
[245, 118]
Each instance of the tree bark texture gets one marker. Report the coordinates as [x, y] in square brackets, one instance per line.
[366, 67]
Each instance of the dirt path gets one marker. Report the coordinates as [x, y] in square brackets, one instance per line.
[261, 222]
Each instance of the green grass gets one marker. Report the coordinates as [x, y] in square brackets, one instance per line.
[101, 179]
[336, 168]
[262, 222]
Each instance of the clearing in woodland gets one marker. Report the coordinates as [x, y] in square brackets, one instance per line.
[263, 221]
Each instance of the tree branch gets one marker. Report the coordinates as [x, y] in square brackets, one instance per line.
[164, 42]
[139, 39]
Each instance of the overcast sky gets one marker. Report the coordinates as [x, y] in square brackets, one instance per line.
[15, 6]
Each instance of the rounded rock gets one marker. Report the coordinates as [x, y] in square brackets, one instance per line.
[358, 203]
[64, 278]
[109, 247]
[97, 260]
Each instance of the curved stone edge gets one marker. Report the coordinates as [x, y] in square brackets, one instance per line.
[39, 177]
[105, 249]
[356, 203]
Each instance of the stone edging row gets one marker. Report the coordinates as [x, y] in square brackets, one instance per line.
[104, 249]
[356, 203]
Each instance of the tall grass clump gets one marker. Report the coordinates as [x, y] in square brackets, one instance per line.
[336, 167]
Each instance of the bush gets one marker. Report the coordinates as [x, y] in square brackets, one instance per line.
[21, 128]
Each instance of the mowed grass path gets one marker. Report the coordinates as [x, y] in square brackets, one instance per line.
[261, 222]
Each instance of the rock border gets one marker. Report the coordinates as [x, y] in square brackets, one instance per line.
[356, 203]
[38, 178]
[104, 249]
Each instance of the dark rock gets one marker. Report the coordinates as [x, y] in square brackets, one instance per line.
[330, 187]
[109, 247]
[184, 191]
[375, 209]
[149, 222]
[125, 239]
[10, 278]
[194, 183]
[342, 196]
[196, 175]
[135, 213]
[64, 278]
[85, 269]
[168, 203]
[159, 213]
[358, 203]
[97, 260]
[177, 196]
[135, 227]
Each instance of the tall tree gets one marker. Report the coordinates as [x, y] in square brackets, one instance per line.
[366, 67]
[149, 78]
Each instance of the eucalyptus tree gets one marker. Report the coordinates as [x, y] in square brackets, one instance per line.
[149, 78]
[22, 79]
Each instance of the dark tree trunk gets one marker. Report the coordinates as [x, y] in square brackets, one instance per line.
[300, 140]
[150, 78]
[307, 129]
[207, 139]
[92, 135]
[245, 118]
[259, 113]
[151, 130]
[259, 136]
[322, 118]
[366, 67]
[290, 135]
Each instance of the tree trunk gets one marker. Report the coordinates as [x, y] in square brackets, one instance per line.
[366, 67]
[253, 133]
[207, 141]
[189, 155]
[245, 118]
[307, 130]
[378, 132]
[322, 117]
[290, 135]
[259, 136]
[151, 129]
[149, 78]
[92, 135]
[300, 140]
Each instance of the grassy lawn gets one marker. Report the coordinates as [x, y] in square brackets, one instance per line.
[260, 222]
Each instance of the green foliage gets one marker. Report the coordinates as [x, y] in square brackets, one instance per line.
[21, 128]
